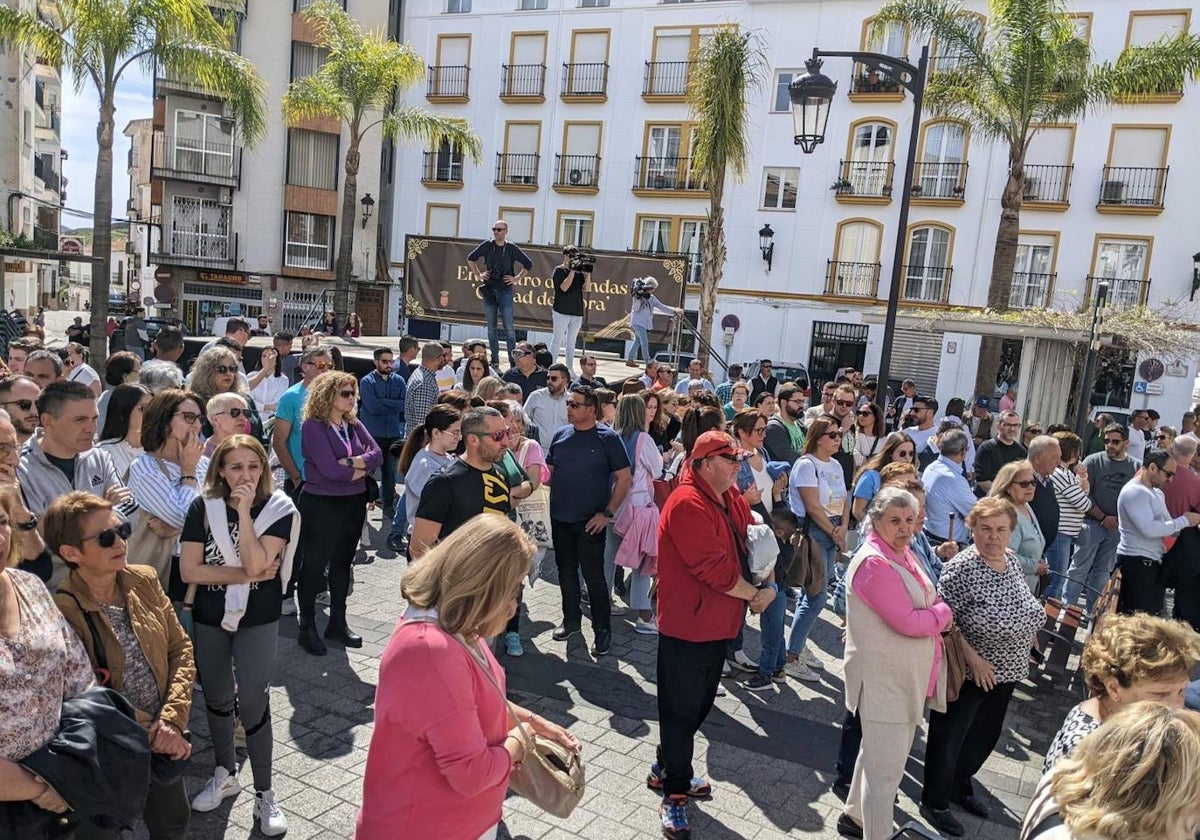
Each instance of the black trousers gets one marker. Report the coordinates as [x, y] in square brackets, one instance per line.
[576, 550]
[330, 527]
[848, 749]
[960, 740]
[166, 816]
[1187, 600]
[1141, 590]
[688, 676]
[293, 488]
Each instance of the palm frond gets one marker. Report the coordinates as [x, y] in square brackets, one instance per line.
[729, 65]
[1157, 68]
[314, 97]
[29, 30]
[226, 73]
[412, 123]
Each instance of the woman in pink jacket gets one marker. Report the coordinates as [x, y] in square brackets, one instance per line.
[444, 741]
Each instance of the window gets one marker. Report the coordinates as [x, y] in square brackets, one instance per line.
[586, 73]
[1145, 28]
[691, 235]
[520, 223]
[783, 101]
[1081, 24]
[200, 229]
[868, 170]
[575, 228]
[1135, 176]
[307, 59]
[450, 74]
[593, 4]
[671, 60]
[779, 188]
[532, 5]
[941, 172]
[952, 56]
[309, 241]
[517, 165]
[654, 235]
[1033, 273]
[441, 219]
[892, 41]
[312, 159]
[455, 7]
[680, 235]
[445, 165]
[927, 271]
[579, 164]
[203, 143]
[1048, 164]
[665, 163]
[854, 270]
[1124, 263]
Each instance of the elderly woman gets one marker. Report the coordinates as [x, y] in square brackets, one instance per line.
[121, 434]
[228, 415]
[339, 454]
[998, 616]
[444, 743]
[738, 394]
[894, 622]
[1127, 659]
[1016, 483]
[42, 664]
[237, 547]
[129, 629]
[159, 375]
[1133, 779]
[897, 449]
[216, 372]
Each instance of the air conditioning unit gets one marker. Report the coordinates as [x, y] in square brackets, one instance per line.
[1032, 189]
[225, 195]
[576, 177]
[1112, 192]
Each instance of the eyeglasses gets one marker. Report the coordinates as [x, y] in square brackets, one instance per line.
[1026, 484]
[1113, 441]
[108, 537]
[451, 432]
[865, 412]
[759, 430]
[833, 434]
[24, 405]
[235, 413]
[500, 435]
[1010, 425]
[844, 403]
[225, 369]
[346, 395]
[189, 417]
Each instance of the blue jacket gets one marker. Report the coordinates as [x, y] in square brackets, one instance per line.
[382, 409]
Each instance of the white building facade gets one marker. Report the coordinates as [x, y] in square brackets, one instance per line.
[586, 136]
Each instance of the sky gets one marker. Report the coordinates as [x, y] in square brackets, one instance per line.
[80, 113]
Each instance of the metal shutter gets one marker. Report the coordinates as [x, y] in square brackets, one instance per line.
[916, 355]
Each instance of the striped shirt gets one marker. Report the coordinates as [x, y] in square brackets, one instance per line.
[1073, 503]
[161, 493]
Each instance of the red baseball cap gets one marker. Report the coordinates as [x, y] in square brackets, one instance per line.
[713, 443]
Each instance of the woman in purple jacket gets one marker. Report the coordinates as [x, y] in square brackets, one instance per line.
[339, 454]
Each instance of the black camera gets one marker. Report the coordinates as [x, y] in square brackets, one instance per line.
[581, 261]
[643, 287]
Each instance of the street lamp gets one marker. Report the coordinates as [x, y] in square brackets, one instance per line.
[1089, 365]
[765, 235]
[811, 97]
[368, 206]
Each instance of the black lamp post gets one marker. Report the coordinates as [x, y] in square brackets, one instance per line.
[368, 206]
[1089, 364]
[811, 96]
[766, 245]
[1195, 275]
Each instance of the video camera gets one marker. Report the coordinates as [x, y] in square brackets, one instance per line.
[584, 261]
[643, 287]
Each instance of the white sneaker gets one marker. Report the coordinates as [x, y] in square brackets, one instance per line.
[726, 671]
[271, 820]
[288, 607]
[221, 786]
[796, 668]
[646, 628]
[810, 659]
[738, 659]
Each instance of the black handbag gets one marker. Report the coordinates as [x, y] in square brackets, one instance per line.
[372, 489]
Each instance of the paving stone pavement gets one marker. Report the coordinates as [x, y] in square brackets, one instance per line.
[770, 756]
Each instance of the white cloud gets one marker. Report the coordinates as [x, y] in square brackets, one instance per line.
[81, 113]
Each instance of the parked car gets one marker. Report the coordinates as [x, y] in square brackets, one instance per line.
[783, 371]
[1117, 413]
[153, 325]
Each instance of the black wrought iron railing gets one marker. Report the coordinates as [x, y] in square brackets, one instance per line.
[666, 78]
[523, 80]
[925, 283]
[1133, 186]
[1030, 290]
[865, 178]
[440, 167]
[666, 173]
[588, 79]
[939, 180]
[1123, 292]
[447, 80]
[517, 169]
[1045, 183]
[577, 170]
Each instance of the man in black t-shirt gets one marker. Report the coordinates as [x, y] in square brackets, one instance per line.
[468, 487]
[1000, 450]
[567, 312]
[499, 276]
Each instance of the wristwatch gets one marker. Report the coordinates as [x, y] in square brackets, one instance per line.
[606, 513]
[29, 524]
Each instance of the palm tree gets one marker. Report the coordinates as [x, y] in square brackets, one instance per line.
[729, 66]
[359, 84]
[99, 42]
[1026, 67]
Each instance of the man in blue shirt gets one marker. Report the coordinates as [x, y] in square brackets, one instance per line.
[382, 412]
[947, 491]
[590, 477]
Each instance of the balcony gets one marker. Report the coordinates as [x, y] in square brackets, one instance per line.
[44, 172]
[45, 240]
[925, 283]
[517, 172]
[442, 170]
[165, 83]
[852, 279]
[1030, 290]
[872, 86]
[667, 176]
[523, 82]
[1123, 293]
[864, 182]
[184, 159]
[666, 80]
[577, 173]
[197, 249]
[584, 83]
[939, 183]
[1047, 187]
[1137, 190]
[448, 83]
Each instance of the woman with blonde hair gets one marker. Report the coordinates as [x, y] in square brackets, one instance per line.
[1016, 482]
[1127, 659]
[1132, 779]
[215, 371]
[339, 454]
[444, 743]
[488, 388]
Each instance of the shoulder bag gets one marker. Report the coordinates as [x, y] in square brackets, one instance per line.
[956, 662]
[807, 568]
[146, 548]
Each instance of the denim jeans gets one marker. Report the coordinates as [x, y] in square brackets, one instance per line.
[504, 308]
[1058, 557]
[808, 607]
[641, 336]
[1092, 564]
[774, 654]
[400, 519]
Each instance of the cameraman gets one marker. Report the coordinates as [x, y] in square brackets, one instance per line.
[641, 315]
[571, 280]
[497, 274]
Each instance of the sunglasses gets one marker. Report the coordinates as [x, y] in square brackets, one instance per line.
[497, 229]
[24, 405]
[189, 417]
[730, 458]
[500, 435]
[844, 403]
[108, 537]
[1113, 441]
[865, 413]
[1160, 437]
[1025, 484]
[683, 403]
[576, 404]
[833, 434]
[235, 413]
[346, 395]
[904, 453]
[320, 365]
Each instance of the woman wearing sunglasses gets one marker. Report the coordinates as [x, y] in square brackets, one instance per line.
[133, 639]
[1016, 483]
[868, 432]
[339, 454]
[121, 436]
[228, 415]
[237, 546]
[898, 448]
[165, 479]
[215, 372]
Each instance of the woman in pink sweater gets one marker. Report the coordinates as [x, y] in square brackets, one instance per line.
[444, 742]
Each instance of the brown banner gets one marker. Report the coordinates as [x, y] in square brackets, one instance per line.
[439, 287]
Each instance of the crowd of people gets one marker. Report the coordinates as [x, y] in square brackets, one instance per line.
[158, 526]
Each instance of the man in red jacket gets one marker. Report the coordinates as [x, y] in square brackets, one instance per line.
[703, 589]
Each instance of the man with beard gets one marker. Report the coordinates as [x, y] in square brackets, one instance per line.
[18, 396]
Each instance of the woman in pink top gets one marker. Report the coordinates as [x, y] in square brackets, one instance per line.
[894, 621]
[444, 743]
